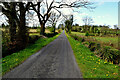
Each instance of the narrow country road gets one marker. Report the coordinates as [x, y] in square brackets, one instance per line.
[56, 60]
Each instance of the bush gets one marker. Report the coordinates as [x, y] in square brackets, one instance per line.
[74, 36]
[51, 34]
[59, 31]
[5, 40]
[115, 54]
[91, 44]
[105, 52]
[87, 43]
[4, 50]
[51, 29]
[80, 39]
[98, 46]
[94, 46]
[96, 34]
[33, 38]
[109, 54]
[12, 47]
[86, 34]
[77, 38]
[91, 34]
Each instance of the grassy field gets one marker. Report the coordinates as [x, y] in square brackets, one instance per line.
[90, 65]
[13, 60]
[103, 40]
[35, 31]
[107, 39]
[79, 34]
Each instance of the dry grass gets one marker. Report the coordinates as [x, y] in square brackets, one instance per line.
[33, 30]
[47, 31]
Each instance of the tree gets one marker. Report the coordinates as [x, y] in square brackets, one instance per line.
[22, 29]
[54, 17]
[76, 24]
[61, 26]
[15, 12]
[116, 29]
[3, 25]
[115, 26]
[68, 24]
[87, 20]
[9, 10]
[43, 18]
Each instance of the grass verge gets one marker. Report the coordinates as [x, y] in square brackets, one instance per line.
[13, 60]
[90, 65]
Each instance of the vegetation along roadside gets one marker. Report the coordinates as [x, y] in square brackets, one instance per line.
[90, 65]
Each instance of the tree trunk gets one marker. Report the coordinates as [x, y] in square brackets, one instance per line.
[42, 24]
[22, 29]
[12, 22]
[12, 29]
[42, 31]
[54, 28]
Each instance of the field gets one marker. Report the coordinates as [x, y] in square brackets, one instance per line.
[79, 34]
[90, 65]
[37, 31]
[103, 40]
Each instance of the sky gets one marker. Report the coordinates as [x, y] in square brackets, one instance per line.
[105, 13]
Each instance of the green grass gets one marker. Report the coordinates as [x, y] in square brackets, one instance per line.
[13, 60]
[107, 39]
[98, 38]
[78, 33]
[90, 65]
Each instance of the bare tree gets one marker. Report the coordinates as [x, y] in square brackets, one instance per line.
[43, 18]
[54, 18]
[87, 20]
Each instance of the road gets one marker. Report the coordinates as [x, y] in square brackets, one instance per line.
[56, 60]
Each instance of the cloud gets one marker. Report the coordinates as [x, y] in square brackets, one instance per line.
[101, 17]
[78, 17]
[66, 11]
[101, 3]
[84, 14]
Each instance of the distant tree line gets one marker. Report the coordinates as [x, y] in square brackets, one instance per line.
[95, 29]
